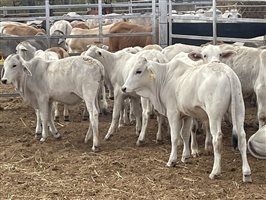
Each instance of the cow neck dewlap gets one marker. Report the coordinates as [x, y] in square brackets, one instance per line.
[158, 83]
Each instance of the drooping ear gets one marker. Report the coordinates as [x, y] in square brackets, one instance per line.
[21, 47]
[60, 41]
[227, 54]
[88, 46]
[25, 66]
[26, 70]
[195, 56]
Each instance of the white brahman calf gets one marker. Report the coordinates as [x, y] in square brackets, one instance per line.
[117, 67]
[68, 80]
[250, 66]
[181, 91]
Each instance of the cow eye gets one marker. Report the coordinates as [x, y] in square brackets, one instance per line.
[138, 72]
[221, 55]
[14, 66]
[205, 56]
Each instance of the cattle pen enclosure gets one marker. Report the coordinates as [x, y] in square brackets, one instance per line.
[68, 169]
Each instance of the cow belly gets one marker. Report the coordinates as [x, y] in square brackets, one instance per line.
[67, 98]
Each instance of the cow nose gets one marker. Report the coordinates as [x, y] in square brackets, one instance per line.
[124, 89]
[4, 81]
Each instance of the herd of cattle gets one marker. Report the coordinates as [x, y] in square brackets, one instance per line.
[184, 84]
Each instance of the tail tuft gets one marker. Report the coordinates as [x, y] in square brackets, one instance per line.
[234, 139]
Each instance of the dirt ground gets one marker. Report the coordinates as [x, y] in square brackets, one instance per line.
[68, 169]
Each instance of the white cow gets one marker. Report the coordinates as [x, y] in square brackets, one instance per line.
[257, 143]
[68, 80]
[117, 66]
[53, 56]
[250, 66]
[62, 26]
[171, 51]
[180, 91]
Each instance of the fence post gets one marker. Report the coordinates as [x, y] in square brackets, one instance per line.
[163, 23]
[47, 16]
[100, 16]
[214, 20]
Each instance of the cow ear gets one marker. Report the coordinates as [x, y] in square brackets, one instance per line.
[26, 70]
[227, 54]
[25, 67]
[60, 41]
[21, 47]
[195, 56]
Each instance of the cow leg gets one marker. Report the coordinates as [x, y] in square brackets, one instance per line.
[136, 106]
[208, 139]
[215, 128]
[103, 101]
[160, 120]
[38, 130]
[146, 110]
[116, 111]
[56, 111]
[90, 97]
[66, 113]
[126, 111]
[194, 143]
[85, 114]
[121, 123]
[51, 122]
[88, 135]
[131, 113]
[242, 146]
[175, 126]
[185, 135]
[44, 113]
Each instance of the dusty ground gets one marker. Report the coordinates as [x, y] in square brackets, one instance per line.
[67, 169]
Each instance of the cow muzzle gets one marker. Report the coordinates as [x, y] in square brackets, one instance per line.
[4, 81]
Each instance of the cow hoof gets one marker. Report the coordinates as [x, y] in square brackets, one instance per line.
[107, 137]
[121, 125]
[111, 98]
[104, 111]
[140, 143]
[160, 141]
[57, 135]
[195, 154]
[171, 164]
[85, 118]
[38, 136]
[208, 150]
[95, 149]
[214, 176]
[56, 118]
[247, 179]
[184, 159]
[66, 118]
[42, 139]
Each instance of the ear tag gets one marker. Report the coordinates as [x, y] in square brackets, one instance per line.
[2, 61]
[151, 75]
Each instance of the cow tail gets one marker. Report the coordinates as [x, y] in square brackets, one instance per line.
[237, 107]
[102, 102]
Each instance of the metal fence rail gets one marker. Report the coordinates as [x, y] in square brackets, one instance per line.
[132, 6]
[188, 19]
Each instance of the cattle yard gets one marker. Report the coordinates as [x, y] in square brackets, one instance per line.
[66, 168]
